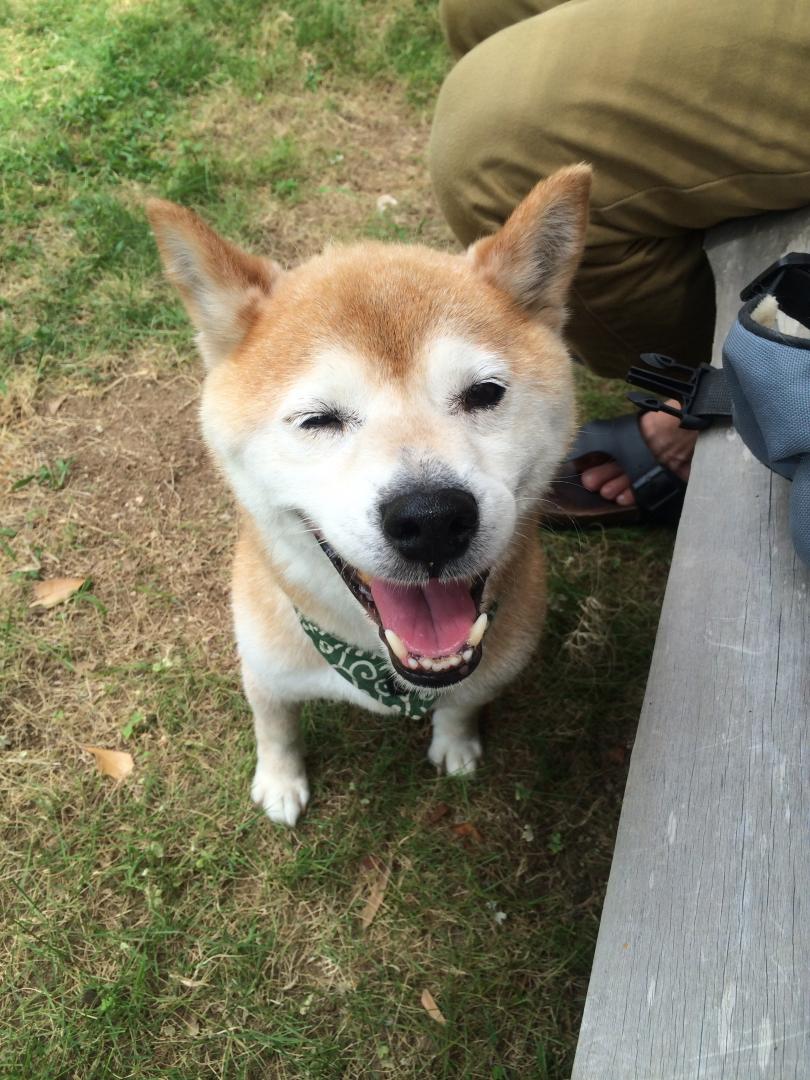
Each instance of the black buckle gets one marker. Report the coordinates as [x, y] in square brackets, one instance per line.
[701, 391]
[788, 279]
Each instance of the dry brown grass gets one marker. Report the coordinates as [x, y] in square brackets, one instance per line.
[144, 515]
[355, 145]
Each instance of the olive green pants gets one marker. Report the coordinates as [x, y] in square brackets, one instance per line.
[691, 112]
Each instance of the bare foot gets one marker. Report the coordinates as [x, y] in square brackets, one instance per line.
[669, 443]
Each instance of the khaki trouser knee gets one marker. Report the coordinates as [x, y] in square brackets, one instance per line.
[691, 114]
[466, 23]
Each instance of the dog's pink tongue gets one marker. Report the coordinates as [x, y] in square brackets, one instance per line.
[431, 619]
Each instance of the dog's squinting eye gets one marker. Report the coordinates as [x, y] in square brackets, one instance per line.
[482, 395]
[323, 422]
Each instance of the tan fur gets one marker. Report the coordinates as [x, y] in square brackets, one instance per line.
[512, 257]
[248, 277]
[380, 301]
[263, 332]
[260, 585]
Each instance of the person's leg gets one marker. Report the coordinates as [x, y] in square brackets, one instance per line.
[691, 113]
[466, 23]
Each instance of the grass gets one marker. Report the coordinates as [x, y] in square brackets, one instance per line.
[161, 928]
[107, 103]
[52, 476]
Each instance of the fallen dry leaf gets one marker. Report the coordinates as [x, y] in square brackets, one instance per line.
[192, 984]
[431, 1008]
[436, 813]
[115, 763]
[616, 755]
[48, 594]
[467, 832]
[375, 899]
[371, 864]
[55, 404]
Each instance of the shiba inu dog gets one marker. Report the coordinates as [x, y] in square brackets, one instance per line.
[389, 418]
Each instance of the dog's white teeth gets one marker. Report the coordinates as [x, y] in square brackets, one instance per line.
[479, 628]
[435, 663]
[397, 646]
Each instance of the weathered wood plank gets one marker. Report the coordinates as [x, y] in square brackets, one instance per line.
[702, 966]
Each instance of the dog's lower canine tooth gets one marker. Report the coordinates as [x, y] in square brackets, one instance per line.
[479, 628]
[397, 646]
[413, 662]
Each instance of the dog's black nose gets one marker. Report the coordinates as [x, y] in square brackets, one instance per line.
[431, 527]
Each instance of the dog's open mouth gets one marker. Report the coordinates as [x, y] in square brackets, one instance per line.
[433, 631]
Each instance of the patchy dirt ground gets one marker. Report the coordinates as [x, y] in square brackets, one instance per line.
[145, 516]
[356, 148]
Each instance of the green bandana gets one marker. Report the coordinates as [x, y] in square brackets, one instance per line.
[368, 673]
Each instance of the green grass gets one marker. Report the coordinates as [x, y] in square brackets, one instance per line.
[96, 115]
[162, 928]
[52, 476]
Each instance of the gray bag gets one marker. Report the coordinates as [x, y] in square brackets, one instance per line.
[763, 386]
[768, 376]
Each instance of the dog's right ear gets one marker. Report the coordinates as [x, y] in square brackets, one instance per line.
[221, 286]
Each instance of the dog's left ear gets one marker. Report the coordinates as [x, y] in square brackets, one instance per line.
[221, 285]
[534, 256]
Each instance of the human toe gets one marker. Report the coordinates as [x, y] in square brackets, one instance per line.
[597, 476]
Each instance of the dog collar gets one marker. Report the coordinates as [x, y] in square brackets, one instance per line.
[368, 673]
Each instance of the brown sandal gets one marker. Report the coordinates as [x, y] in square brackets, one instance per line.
[659, 492]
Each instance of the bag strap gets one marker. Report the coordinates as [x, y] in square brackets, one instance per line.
[703, 391]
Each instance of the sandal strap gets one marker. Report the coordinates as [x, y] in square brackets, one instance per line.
[654, 485]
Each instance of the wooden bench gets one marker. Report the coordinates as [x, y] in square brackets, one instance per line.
[702, 964]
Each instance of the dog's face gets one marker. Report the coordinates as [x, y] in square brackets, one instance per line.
[409, 407]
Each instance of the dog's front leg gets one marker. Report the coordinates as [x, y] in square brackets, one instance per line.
[455, 746]
[280, 783]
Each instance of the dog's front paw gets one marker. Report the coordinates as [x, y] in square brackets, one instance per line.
[455, 753]
[283, 793]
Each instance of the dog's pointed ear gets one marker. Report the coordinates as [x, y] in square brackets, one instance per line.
[534, 256]
[221, 285]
